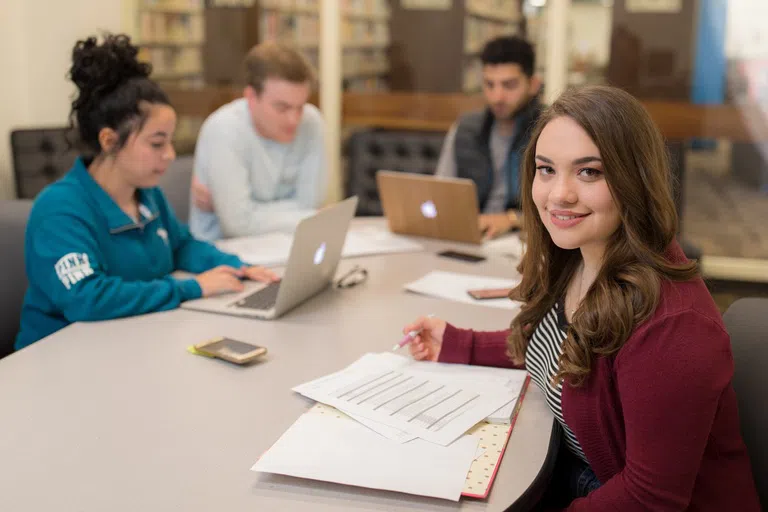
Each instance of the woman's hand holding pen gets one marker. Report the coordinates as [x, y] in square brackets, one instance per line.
[427, 338]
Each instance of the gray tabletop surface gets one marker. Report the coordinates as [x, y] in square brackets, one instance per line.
[118, 416]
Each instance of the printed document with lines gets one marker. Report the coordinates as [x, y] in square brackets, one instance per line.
[438, 407]
[479, 376]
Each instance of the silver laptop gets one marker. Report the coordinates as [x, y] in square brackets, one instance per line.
[430, 206]
[311, 267]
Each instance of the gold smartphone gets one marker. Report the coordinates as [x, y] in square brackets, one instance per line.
[228, 349]
[490, 293]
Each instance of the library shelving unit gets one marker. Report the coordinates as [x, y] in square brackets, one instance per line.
[484, 20]
[365, 36]
[171, 36]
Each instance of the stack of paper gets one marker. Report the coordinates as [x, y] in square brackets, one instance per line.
[403, 425]
[273, 249]
[321, 447]
[453, 286]
[388, 389]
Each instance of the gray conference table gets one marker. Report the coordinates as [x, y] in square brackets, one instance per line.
[118, 416]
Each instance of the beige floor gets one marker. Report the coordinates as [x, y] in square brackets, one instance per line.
[727, 220]
[721, 215]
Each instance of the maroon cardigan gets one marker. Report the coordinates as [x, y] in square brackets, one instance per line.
[658, 420]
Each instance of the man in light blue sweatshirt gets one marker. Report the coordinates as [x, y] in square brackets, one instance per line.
[260, 162]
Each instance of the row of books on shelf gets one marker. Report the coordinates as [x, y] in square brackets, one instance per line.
[299, 29]
[187, 129]
[472, 78]
[195, 81]
[304, 30]
[172, 5]
[368, 63]
[478, 31]
[292, 6]
[231, 3]
[507, 11]
[176, 28]
[354, 30]
[372, 10]
[173, 61]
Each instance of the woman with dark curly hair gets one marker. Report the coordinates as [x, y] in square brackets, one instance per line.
[615, 326]
[102, 242]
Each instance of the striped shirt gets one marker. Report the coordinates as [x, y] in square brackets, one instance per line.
[541, 361]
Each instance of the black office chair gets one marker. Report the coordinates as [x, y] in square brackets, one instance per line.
[372, 150]
[176, 183]
[13, 279]
[40, 156]
[747, 324]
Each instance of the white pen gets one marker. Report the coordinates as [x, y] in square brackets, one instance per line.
[408, 337]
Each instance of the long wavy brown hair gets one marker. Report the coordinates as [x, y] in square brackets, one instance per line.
[626, 289]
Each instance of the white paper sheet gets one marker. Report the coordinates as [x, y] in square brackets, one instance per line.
[387, 389]
[325, 448]
[369, 240]
[391, 433]
[503, 415]
[270, 249]
[508, 245]
[469, 376]
[479, 377]
[453, 286]
[273, 249]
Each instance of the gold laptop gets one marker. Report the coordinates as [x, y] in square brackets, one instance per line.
[430, 206]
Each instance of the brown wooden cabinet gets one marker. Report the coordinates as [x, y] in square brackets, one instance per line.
[652, 53]
[438, 50]
[231, 33]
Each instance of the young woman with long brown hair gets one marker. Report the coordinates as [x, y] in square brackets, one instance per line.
[616, 326]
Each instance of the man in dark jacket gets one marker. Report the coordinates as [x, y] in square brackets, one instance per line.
[486, 146]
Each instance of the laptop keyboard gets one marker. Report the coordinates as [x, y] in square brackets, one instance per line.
[266, 298]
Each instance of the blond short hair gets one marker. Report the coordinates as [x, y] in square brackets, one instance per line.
[272, 59]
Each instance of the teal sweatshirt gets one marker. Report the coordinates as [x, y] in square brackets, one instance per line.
[87, 260]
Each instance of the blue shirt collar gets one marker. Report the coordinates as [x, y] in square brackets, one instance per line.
[117, 220]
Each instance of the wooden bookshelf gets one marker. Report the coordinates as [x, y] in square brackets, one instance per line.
[484, 20]
[486, 10]
[169, 8]
[171, 35]
[353, 14]
[171, 43]
[364, 32]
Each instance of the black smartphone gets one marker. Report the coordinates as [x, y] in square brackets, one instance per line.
[462, 256]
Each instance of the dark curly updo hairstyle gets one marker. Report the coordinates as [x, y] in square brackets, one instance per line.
[113, 90]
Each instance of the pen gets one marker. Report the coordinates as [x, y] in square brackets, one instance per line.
[408, 338]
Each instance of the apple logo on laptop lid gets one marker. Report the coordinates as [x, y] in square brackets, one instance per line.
[428, 209]
[320, 254]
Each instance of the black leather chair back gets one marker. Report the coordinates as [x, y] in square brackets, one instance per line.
[372, 150]
[40, 156]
